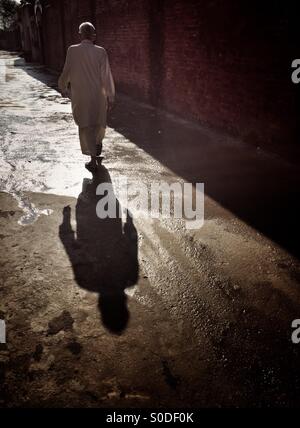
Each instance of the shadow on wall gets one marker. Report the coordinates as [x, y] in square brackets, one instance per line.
[103, 253]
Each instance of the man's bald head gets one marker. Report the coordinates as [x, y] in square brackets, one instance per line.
[87, 31]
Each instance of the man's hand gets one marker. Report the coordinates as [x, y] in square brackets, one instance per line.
[66, 93]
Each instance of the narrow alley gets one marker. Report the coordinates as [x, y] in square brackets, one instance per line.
[143, 313]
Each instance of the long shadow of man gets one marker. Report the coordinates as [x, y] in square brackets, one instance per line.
[103, 253]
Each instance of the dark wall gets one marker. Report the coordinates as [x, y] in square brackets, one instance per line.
[10, 40]
[124, 30]
[225, 63]
[53, 35]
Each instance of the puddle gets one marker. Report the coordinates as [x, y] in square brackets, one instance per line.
[31, 213]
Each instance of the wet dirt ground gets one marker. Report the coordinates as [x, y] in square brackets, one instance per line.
[141, 312]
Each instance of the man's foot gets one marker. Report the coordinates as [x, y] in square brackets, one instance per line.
[99, 149]
[91, 166]
[99, 160]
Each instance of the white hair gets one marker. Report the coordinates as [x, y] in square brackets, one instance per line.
[87, 29]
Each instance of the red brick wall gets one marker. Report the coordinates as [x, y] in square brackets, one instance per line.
[71, 22]
[225, 63]
[122, 28]
[53, 35]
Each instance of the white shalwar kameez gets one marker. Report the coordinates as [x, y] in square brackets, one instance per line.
[87, 78]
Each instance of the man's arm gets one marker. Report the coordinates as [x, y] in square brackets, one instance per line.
[108, 80]
[66, 233]
[64, 78]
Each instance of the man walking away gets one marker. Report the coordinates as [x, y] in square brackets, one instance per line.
[87, 80]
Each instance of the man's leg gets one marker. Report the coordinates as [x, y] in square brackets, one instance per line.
[88, 140]
[99, 147]
[91, 144]
[95, 160]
